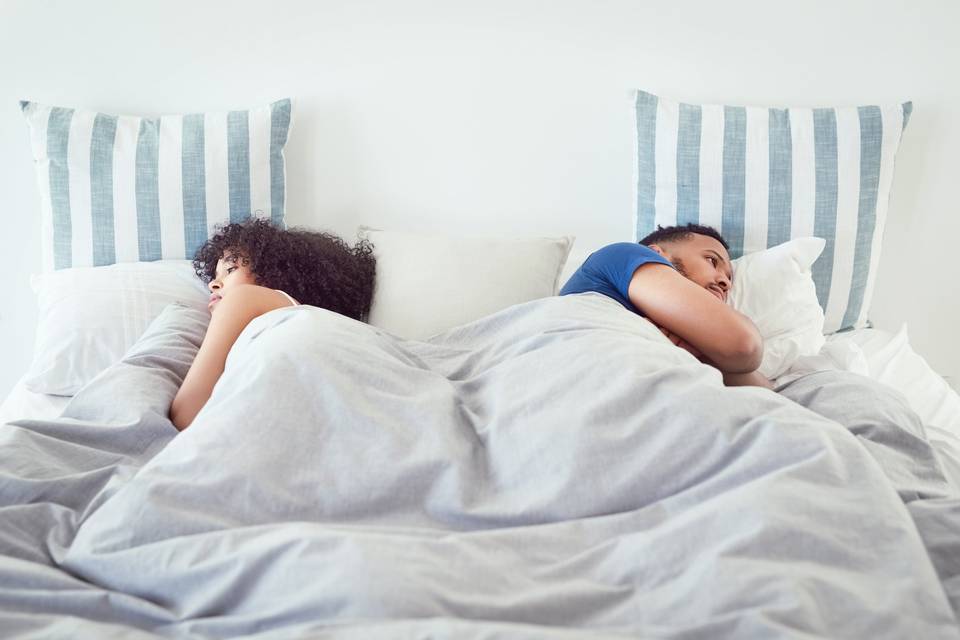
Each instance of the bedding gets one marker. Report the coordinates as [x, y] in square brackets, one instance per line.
[890, 359]
[762, 176]
[557, 469]
[23, 403]
[428, 283]
[887, 358]
[89, 316]
[131, 188]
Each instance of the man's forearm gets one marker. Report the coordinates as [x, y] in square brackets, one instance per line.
[752, 379]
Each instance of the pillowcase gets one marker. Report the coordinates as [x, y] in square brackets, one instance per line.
[775, 289]
[427, 284]
[128, 188]
[763, 176]
[90, 316]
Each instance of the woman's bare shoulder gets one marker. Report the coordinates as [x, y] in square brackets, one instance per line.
[253, 299]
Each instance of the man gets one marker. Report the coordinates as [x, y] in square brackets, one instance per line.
[679, 279]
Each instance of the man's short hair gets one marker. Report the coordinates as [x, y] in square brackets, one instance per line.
[682, 232]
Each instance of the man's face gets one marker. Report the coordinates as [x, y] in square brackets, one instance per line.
[701, 259]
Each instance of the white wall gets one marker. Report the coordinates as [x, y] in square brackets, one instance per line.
[498, 116]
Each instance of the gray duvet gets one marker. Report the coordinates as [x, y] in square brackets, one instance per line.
[557, 470]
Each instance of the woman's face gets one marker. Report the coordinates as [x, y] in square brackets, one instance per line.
[232, 270]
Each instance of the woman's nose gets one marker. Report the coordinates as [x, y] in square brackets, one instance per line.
[214, 285]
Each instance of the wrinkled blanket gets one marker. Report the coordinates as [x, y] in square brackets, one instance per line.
[558, 469]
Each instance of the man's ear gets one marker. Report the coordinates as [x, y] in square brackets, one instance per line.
[658, 249]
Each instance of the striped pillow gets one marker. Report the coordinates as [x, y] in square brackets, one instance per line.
[764, 176]
[128, 189]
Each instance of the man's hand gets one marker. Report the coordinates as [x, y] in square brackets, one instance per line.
[752, 379]
[683, 344]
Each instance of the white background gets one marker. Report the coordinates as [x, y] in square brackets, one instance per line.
[493, 117]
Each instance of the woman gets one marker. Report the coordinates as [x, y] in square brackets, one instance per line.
[253, 267]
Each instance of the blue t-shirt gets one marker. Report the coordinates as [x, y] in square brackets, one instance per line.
[609, 271]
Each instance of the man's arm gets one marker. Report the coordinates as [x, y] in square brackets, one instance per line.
[724, 336]
[752, 379]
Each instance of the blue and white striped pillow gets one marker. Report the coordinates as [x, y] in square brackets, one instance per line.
[764, 176]
[130, 189]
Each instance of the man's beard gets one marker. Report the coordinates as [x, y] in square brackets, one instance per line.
[678, 263]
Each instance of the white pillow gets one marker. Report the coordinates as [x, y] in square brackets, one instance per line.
[427, 283]
[90, 316]
[775, 289]
[892, 360]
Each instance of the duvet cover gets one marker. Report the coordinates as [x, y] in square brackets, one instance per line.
[555, 470]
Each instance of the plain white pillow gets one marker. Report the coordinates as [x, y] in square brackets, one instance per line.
[429, 283]
[775, 289]
[90, 316]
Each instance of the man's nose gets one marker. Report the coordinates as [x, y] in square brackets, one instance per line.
[724, 283]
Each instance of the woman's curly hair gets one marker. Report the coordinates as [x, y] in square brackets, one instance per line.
[316, 268]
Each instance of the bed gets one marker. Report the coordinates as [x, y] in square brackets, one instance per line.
[508, 463]
[488, 480]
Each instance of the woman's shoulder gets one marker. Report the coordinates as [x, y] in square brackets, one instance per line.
[254, 299]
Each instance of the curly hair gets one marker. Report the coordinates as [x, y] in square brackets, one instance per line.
[316, 268]
[682, 232]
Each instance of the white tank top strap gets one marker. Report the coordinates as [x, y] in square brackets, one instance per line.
[289, 297]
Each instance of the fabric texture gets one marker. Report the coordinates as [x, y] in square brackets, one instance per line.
[774, 288]
[494, 481]
[889, 358]
[129, 188]
[762, 176]
[90, 316]
[609, 270]
[429, 283]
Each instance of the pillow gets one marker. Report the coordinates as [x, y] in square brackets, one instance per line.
[763, 176]
[775, 289]
[427, 284]
[146, 377]
[128, 188]
[89, 316]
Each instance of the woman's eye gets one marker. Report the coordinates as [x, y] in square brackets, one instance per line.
[230, 269]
